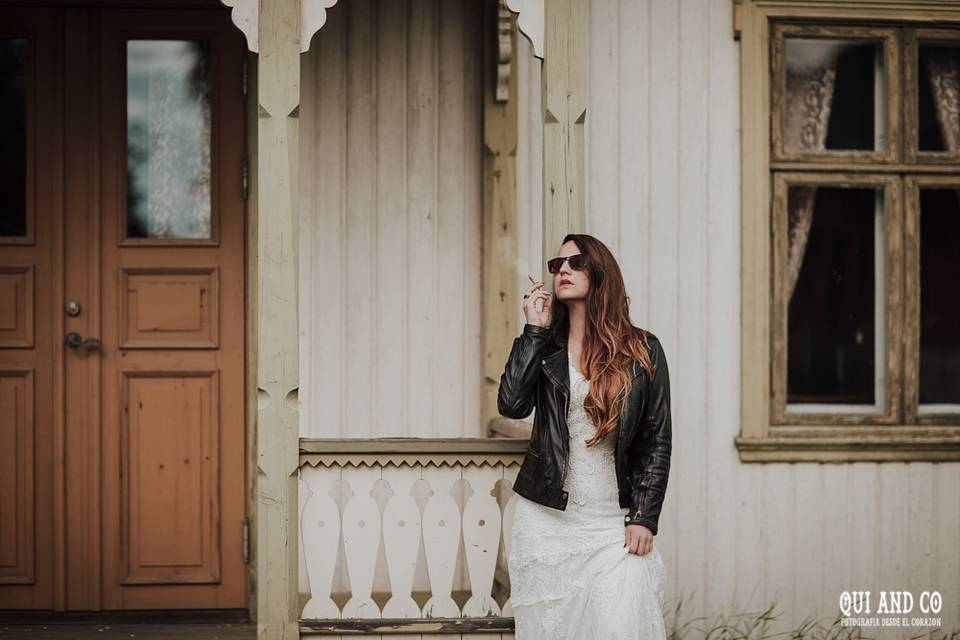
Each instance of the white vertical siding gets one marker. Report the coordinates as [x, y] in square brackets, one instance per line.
[663, 193]
[391, 220]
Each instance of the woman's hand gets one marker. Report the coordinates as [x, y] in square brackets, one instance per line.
[639, 539]
[534, 293]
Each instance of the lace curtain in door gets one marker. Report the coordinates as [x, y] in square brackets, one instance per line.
[168, 139]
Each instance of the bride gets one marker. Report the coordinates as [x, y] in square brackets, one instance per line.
[581, 558]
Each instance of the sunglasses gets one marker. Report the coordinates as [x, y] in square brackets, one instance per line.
[578, 261]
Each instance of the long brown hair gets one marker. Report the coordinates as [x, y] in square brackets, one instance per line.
[611, 343]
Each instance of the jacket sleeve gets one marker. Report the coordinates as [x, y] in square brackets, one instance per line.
[648, 496]
[517, 394]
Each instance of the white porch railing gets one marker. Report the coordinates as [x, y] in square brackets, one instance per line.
[406, 534]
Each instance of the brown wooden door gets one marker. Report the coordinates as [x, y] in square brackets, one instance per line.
[30, 262]
[126, 489]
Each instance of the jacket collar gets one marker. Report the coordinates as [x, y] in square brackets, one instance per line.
[557, 363]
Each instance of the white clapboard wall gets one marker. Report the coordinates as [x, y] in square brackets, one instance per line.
[391, 137]
[663, 191]
[391, 220]
[390, 228]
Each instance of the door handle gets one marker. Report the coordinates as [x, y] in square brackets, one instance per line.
[74, 341]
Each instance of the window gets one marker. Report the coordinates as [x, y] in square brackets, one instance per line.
[851, 232]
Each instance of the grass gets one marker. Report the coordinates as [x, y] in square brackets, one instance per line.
[759, 626]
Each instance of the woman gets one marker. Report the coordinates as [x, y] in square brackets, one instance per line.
[581, 559]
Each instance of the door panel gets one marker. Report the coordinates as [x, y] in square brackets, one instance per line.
[29, 242]
[133, 495]
[171, 420]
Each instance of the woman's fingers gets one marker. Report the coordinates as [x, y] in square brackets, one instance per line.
[529, 294]
[646, 544]
[640, 542]
[632, 540]
[545, 311]
[539, 294]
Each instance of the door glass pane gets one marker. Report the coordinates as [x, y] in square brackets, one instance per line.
[835, 95]
[13, 137]
[168, 139]
[834, 284]
[939, 303]
[938, 86]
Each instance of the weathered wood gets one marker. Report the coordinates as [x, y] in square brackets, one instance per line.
[913, 414]
[500, 296]
[251, 312]
[891, 283]
[278, 94]
[412, 445]
[412, 451]
[481, 538]
[852, 168]
[565, 97]
[851, 445]
[461, 503]
[510, 428]
[391, 209]
[887, 38]
[425, 626]
[945, 160]
[768, 433]
[862, 10]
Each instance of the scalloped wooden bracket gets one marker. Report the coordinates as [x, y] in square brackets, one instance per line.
[245, 16]
[531, 19]
[313, 15]
[504, 52]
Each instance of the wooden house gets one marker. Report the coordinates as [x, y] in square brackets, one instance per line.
[261, 265]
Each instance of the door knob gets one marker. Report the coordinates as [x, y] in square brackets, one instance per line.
[74, 341]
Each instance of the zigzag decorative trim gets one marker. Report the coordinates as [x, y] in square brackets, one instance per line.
[409, 460]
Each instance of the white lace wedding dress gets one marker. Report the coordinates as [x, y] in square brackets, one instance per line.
[570, 575]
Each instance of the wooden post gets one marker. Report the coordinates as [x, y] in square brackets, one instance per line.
[565, 96]
[278, 95]
[500, 298]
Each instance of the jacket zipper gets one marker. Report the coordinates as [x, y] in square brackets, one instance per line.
[566, 404]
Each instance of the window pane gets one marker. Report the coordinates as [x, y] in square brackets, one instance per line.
[835, 93]
[939, 304]
[938, 85]
[13, 137]
[835, 292]
[168, 139]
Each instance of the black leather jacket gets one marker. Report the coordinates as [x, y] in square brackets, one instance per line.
[537, 375]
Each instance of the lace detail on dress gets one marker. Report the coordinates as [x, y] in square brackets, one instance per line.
[591, 474]
[571, 577]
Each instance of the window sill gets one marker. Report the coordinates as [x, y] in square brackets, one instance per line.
[852, 444]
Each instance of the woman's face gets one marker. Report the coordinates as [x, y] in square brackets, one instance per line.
[570, 284]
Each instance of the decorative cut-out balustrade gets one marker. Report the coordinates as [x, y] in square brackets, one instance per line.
[406, 534]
